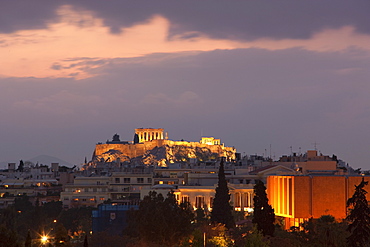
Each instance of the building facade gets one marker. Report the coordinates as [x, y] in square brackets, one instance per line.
[298, 198]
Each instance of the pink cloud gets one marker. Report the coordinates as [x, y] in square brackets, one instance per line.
[79, 42]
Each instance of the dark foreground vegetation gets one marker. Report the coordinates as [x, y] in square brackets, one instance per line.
[162, 221]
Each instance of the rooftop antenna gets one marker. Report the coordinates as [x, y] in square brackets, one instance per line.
[270, 152]
[315, 145]
[291, 150]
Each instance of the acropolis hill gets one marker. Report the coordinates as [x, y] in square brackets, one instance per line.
[152, 147]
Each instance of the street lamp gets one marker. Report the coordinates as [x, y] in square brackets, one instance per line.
[44, 239]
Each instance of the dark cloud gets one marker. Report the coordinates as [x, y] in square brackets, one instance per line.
[24, 14]
[249, 98]
[219, 19]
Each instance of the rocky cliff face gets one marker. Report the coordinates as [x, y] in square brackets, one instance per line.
[168, 153]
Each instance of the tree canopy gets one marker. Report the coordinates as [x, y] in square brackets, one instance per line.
[221, 208]
[264, 216]
[359, 217]
[161, 220]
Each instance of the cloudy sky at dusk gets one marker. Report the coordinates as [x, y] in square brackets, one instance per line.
[253, 73]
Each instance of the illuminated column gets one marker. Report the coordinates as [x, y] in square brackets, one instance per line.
[237, 199]
[284, 195]
[287, 196]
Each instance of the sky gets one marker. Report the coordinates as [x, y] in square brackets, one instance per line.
[267, 77]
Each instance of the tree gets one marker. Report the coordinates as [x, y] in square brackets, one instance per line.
[8, 237]
[221, 208]
[255, 239]
[21, 166]
[161, 220]
[136, 138]
[61, 237]
[264, 216]
[86, 243]
[28, 242]
[200, 216]
[77, 220]
[359, 217]
[324, 231]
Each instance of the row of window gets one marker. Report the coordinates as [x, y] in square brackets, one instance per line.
[83, 199]
[89, 190]
[244, 199]
[128, 180]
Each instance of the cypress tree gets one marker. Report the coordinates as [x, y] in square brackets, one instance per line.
[136, 138]
[221, 208]
[86, 244]
[21, 166]
[28, 242]
[264, 216]
[359, 217]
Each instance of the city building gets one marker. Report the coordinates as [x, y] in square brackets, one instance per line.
[298, 198]
[39, 182]
[111, 218]
[117, 187]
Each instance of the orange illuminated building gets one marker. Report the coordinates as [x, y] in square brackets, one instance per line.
[298, 198]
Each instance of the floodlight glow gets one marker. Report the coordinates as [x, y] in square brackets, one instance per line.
[44, 239]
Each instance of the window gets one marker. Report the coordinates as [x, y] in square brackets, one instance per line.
[199, 201]
[66, 198]
[149, 180]
[117, 180]
[211, 201]
[140, 180]
[94, 189]
[185, 199]
[240, 181]
[101, 198]
[126, 180]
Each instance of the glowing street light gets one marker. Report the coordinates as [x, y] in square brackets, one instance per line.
[44, 239]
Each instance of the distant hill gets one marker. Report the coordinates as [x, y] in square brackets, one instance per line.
[41, 159]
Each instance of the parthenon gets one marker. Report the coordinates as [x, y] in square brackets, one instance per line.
[149, 134]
